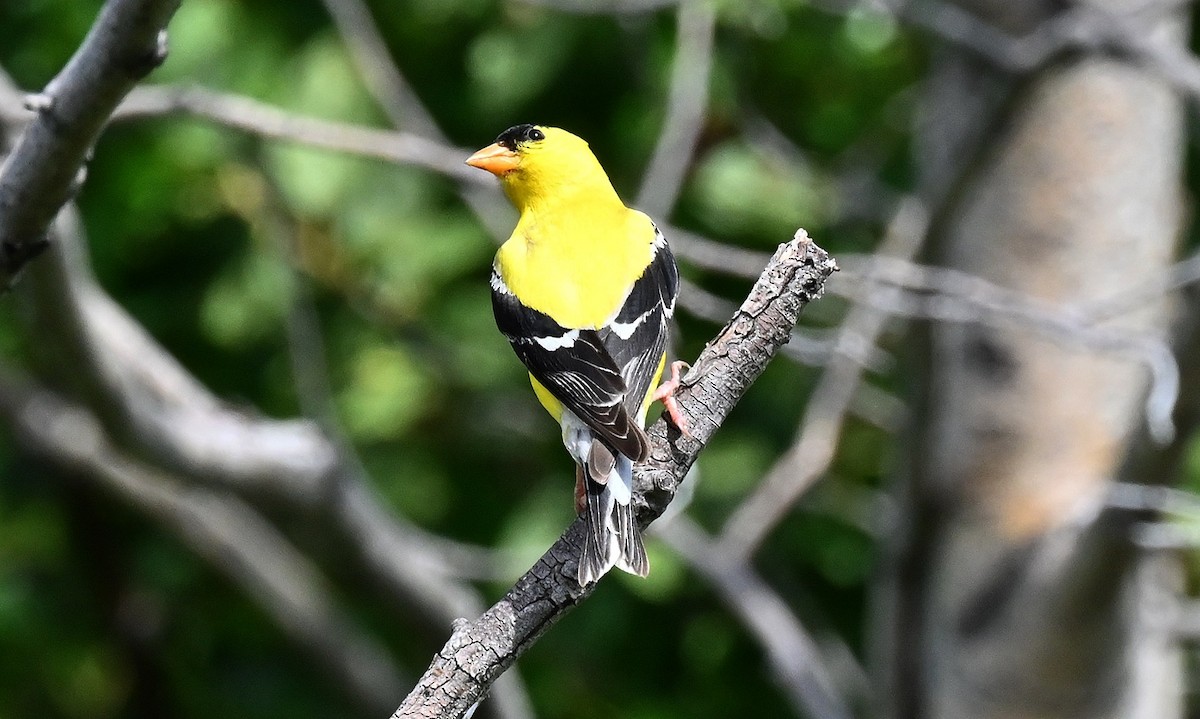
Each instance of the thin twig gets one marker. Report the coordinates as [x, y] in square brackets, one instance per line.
[953, 296]
[259, 118]
[687, 99]
[374, 62]
[810, 455]
[396, 97]
[794, 657]
[1178, 276]
[804, 347]
[606, 7]
[1080, 27]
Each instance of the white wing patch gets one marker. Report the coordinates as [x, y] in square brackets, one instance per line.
[625, 330]
[563, 341]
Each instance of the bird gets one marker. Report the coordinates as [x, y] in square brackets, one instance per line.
[584, 290]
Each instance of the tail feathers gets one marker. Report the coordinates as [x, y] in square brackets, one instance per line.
[597, 556]
[612, 538]
[632, 557]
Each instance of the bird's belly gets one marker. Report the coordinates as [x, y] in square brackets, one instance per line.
[552, 405]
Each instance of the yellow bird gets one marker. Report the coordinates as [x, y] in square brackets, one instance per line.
[584, 290]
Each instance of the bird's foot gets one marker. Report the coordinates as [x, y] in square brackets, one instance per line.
[666, 394]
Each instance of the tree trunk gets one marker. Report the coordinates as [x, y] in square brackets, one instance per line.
[1008, 596]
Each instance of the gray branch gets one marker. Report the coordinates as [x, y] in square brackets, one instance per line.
[126, 42]
[813, 450]
[687, 102]
[259, 118]
[218, 526]
[478, 652]
[793, 655]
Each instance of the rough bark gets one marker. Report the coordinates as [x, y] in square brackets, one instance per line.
[478, 652]
[1006, 598]
[126, 42]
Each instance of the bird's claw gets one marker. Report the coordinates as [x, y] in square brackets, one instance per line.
[666, 394]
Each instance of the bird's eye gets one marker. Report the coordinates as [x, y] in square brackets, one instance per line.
[536, 135]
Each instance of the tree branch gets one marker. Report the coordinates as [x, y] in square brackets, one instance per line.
[605, 7]
[154, 408]
[399, 101]
[219, 527]
[145, 398]
[793, 655]
[813, 450]
[478, 652]
[687, 101]
[125, 43]
[259, 118]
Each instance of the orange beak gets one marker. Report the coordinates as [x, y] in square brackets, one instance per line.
[495, 158]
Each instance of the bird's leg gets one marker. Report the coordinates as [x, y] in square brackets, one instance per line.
[580, 490]
[666, 393]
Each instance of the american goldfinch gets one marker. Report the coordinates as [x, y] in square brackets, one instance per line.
[584, 290]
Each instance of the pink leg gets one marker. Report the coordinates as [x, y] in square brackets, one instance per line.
[666, 393]
[580, 490]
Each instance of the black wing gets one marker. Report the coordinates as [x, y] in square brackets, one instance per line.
[637, 337]
[574, 366]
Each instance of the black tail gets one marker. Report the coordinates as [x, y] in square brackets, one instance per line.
[633, 551]
[612, 538]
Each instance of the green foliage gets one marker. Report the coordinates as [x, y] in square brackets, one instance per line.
[741, 190]
[211, 238]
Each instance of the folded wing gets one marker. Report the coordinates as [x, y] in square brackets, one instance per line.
[574, 366]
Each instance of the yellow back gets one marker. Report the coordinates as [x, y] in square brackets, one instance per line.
[576, 249]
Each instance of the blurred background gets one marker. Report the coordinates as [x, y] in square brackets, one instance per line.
[264, 442]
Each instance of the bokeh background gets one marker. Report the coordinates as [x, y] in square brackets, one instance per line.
[911, 514]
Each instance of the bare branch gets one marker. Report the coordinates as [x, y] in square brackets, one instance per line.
[810, 455]
[793, 655]
[158, 409]
[806, 348]
[163, 411]
[948, 295]
[217, 526]
[248, 115]
[369, 50]
[708, 254]
[146, 398]
[177, 420]
[953, 296]
[1081, 27]
[1182, 274]
[687, 100]
[480, 651]
[404, 109]
[606, 7]
[153, 406]
[125, 43]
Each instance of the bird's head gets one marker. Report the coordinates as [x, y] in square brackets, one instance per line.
[536, 162]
